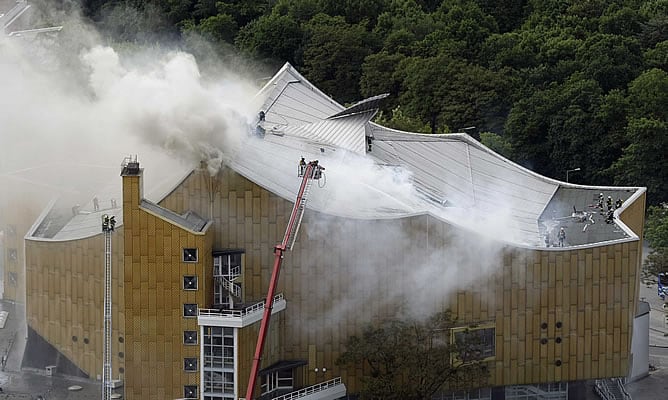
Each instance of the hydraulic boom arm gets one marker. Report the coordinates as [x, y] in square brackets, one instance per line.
[308, 172]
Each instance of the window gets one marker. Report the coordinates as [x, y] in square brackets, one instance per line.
[189, 337]
[219, 347]
[11, 230]
[190, 364]
[276, 380]
[219, 382]
[476, 343]
[190, 392]
[190, 310]
[190, 282]
[13, 279]
[189, 255]
[226, 269]
[13, 255]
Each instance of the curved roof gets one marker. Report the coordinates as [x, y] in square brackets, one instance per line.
[453, 177]
[373, 172]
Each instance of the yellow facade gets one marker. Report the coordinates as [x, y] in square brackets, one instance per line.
[65, 298]
[559, 314]
[154, 271]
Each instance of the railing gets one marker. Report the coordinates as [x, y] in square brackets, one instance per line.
[232, 287]
[616, 392]
[259, 306]
[310, 390]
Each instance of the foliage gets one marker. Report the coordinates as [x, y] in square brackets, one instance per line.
[497, 143]
[413, 359]
[397, 119]
[656, 234]
[333, 50]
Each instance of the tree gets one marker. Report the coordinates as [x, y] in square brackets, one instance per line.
[413, 360]
[397, 119]
[447, 92]
[497, 143]
[643, 161]
[656, 234]
[273, 36]
[333, 55]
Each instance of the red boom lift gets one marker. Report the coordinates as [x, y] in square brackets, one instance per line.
[308, 172]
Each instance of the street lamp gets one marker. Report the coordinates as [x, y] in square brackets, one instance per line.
[571, 170]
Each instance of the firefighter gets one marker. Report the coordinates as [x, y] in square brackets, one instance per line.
[562, 236]
[302, 167]
[609, 203]
[618, 204]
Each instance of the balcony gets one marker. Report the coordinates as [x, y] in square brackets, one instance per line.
[238, 318]
[328, 390]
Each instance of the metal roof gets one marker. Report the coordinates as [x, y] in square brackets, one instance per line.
[453, 177]
[450, 177]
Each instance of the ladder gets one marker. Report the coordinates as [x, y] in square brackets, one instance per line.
[107, 229]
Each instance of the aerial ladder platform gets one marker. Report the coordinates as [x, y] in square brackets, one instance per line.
[308, 172]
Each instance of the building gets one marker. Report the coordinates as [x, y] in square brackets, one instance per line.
[404, 224]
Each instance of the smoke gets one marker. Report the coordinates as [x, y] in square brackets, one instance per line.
[400, 266]
[74, 99]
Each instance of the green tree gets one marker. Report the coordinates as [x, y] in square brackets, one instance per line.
[656, 234]
[397, 119]
[379, 75]
[612, 60]
[496, 143]
[274, 36]
[644, 161]
[217, 28]
[447, 92]
[413, 360]
[334, 51]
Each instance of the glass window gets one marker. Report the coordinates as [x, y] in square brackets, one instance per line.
[190, 364]
[218, 362]
[190, 282]
[475, 343]
[190, 337]
[189, 255]
[190, 391]
[190, 310]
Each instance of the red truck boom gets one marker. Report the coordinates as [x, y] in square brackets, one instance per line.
[307, 172]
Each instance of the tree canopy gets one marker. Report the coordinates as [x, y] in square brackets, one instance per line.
[413, 359]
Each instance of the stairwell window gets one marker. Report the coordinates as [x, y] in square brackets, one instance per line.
[190, 255]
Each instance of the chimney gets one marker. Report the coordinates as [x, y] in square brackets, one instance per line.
[132, 184]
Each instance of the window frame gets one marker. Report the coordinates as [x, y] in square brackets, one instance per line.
[192, 278]
[189, 343]
[196, 310]
[188, 251]
[192, 388]
[471, 329]
[191, 361]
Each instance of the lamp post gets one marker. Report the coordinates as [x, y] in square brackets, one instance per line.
[571, 170]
